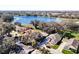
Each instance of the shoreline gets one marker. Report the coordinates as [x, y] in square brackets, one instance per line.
[50, 14]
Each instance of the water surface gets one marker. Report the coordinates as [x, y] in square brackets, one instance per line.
[28, 19]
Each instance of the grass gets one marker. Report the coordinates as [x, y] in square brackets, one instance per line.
[55, 46]
[76, 35]
[28, 26]
[67, 52]
[71, 34]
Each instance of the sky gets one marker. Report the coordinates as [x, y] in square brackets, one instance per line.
[39, 4]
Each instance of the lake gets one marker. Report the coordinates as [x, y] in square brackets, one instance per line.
[28, 19]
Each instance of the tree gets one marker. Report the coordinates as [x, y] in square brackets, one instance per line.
[17, 23]
[7, 27]
[35, 23]
[7, 18]
[77, 50]
[7, 42]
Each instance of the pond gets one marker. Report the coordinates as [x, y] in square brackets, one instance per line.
[28, 19]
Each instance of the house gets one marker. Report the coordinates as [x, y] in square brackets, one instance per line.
[54, 38]
[73, 43]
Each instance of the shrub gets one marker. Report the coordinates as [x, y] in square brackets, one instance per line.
[45, 51]
[73, 50]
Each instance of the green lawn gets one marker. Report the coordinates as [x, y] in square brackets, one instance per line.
[67, 52]
[55, 46]
[71, 34]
